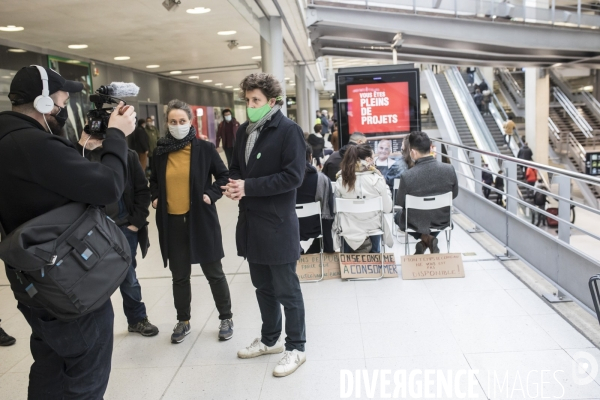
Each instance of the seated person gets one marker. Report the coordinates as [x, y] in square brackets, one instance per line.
[332, 165]
[384, 162]
[428, 177]
[359, 179]
[401, 165]
[317, 142]
[316, 187]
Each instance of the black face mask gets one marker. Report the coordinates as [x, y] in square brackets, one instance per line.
[61, 116]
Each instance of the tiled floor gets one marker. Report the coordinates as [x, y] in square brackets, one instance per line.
[488, 322]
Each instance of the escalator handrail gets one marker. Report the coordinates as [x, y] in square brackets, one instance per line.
[482, 135]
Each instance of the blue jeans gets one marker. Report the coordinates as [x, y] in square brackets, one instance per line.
[375, 245]
[71, 360]
[131, 291]
[276, 286]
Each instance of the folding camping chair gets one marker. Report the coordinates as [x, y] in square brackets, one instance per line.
[429, 203]
[358, 206]
[309, 210]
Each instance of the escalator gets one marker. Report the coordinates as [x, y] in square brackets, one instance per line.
[492, 125]
[466, 137]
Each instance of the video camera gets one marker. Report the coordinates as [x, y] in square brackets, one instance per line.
[110, 94]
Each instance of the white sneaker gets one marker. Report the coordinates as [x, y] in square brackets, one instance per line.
[290, 362]
[258, 348]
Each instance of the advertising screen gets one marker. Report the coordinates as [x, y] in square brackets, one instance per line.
[376, 108]
[382, 102]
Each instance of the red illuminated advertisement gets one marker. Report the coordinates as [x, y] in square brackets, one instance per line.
[379, 107]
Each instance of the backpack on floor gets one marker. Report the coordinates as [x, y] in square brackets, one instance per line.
[70, 259]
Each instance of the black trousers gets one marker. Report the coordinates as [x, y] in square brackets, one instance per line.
[71, 360]
[228, 155]
[181, 269]
[276, 286]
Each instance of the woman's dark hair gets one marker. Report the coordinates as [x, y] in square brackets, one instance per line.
[267, 83]
[406, 152]
[141, 122]
[420, 142]
[179, 105]
[227, 110]
[309, 152]
[353, 156]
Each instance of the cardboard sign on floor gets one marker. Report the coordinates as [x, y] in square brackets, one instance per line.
[309, 266]
[433, 266]
[367, 265]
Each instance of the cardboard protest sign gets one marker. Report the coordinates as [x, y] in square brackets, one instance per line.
[309, 266]
[367, 265]
[433, 266]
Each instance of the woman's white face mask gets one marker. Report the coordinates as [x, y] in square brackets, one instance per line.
[179, 131]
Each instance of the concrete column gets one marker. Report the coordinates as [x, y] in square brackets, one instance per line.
[271, 42]
[302, 117]
[537, 107]
[596, 83]
[312, 105]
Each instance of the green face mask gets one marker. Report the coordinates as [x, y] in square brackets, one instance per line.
[255, 114]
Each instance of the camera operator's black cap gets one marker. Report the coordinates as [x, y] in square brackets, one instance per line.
[27, 85]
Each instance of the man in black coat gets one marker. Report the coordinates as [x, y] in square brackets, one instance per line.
[130, 214]
[267, 167]
[488, 179]
[42, 171]
[428, 177]
[332, 165]
[525, 153]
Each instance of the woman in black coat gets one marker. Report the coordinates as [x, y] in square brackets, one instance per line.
[188, 226]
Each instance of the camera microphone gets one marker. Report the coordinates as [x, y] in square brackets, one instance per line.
[120, 89]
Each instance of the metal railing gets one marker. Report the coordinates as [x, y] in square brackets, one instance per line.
[491, 10]
[552, 254]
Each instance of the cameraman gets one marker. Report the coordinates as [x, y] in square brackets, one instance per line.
[42, 171]
[130, 214]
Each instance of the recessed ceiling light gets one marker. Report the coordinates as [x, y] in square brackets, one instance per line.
[152, 66]
[194, 77]
[6, 77]
[17, 51]
[218, 84]
[244, 47]
[73, 62]
[226, 33]
[228, 87]
[207, 81]
[236, 89]
[175, 72]
[198, 10]
[292, 84]
[78, 46]
[11, 28]
[287, 79]
[257, 58]
[122, 58]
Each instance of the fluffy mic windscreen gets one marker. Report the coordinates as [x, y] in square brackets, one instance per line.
[123, 89]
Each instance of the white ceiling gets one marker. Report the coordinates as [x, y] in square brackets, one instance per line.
[140, 29]
[176, 40]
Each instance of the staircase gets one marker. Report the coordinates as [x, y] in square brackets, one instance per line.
[464, 132]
